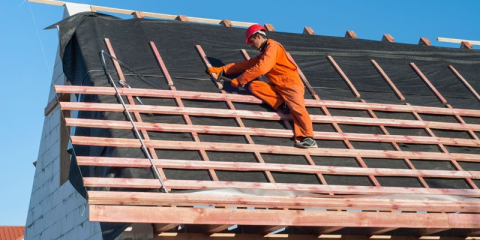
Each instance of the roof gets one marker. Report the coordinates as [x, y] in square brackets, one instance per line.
[396, 126]
[11, 232]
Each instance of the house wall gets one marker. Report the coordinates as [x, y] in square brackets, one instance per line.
[57, 211]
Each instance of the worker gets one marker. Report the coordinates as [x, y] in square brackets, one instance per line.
[285, 89]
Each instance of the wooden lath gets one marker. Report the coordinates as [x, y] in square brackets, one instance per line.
[251, 99]
[308, 202]
[167, 127]
[241, 166]
[308, 188]
[144, 214]
[106, 107]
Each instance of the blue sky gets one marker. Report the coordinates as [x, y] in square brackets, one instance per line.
[27, 54]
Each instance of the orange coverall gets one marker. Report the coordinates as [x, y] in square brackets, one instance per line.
[285, 84]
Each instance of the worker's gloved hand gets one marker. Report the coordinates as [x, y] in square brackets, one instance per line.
[216, 70]
[234, 83]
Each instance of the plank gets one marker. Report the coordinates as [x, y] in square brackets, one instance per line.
[144, 214]
[307, 188]
[266, 115]
[308, 202]
[243, 166]
[252, 99]
[465, 82]
[243, 236]
[146, 14]
[271, 149]
[344, 77]
[454, 40]
[388, 80]
[429, 84]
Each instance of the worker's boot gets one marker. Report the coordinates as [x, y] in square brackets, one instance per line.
[308, 142]
[284, 108]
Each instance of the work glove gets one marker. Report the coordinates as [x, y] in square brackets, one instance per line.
[216, 70]
[234, 83]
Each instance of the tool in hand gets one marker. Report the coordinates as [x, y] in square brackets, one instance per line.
[221, 79]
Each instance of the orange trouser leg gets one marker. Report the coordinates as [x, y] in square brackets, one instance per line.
[266, 92]
[293, 96]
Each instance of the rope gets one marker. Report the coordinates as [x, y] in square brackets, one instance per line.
[155, 170]
[38, 34]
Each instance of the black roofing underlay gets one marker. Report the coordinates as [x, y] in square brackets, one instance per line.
[176, 43]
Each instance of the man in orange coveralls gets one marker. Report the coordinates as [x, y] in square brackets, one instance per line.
[285, 90]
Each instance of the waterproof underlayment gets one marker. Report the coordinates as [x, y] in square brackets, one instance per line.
[83, 39]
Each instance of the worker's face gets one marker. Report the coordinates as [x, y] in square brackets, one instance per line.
[256, 42]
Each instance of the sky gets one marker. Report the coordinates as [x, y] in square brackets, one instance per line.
[27, 55]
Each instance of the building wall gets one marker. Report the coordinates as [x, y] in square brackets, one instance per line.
[57, 211]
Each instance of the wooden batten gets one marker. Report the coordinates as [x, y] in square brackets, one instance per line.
[424, 41]
[350, 34]
[144, 214]
[138, 14]
[269, 27]
[226, 23]
[387, 38]
[344, 76]
[466, 45]
[308, 31]
[252, 99]
[165, 127]
[182, 18]
[308, 188]
[429, 84]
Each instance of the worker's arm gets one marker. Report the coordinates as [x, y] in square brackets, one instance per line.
[239, 67]
[264, 64]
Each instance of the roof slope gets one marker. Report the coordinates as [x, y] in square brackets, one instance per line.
[390, 119]
[11, 232]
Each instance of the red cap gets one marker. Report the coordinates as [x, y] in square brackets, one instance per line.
[253, 29]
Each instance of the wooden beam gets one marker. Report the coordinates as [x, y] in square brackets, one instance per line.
[233, 236]
[466, 45]
[344, 77]
[269, 27]
[142, 214]
[308, 31]
[241, 166]
[465, 82]
[182, 18]
[454, 40]
[226, 23]
[159, 228]
[429, 231]
[388, 80]
[387, 38]
[272, 116]
[380, 231]
[429, 84]
[309, 202]
[49, 2]
[53, 104]
[350, 34]
[146, 14]
[252, 99]
[424, 41]
[166, 127]
[216, 228]
[138, 14]
[311, 188]
[273, 149]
